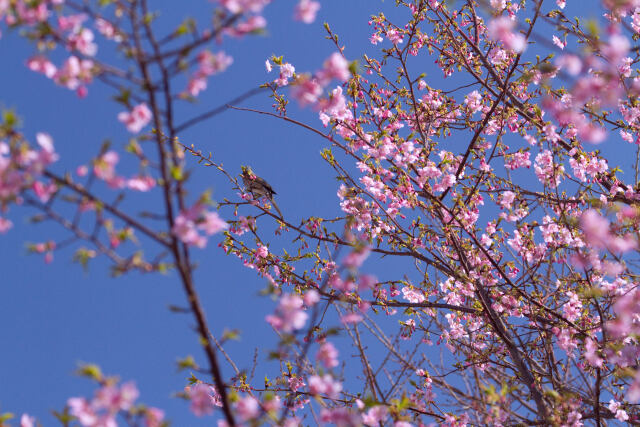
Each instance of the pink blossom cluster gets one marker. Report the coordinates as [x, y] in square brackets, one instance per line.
[375, 416]
[203, 399]
[616, 408]
[360, 209]
[327, 355]
[46, 248]
[244, 6]
[287, 72]
[547, 170]
[104, 168]
[74, 74]
[519, 159]
[586, 166]
[79, 38]
[242, 225]
[523, 243]
[355, 258]
[209, 64]
[598, 235]
[307, 90]
[352, 282]
[20, 169]
[339, 416]
[601, 84]
[306, 11]
[502, 29]
[415, 296]
[325, 385]
[26, 12]
[248, 407]
[189, 224]
[625, 328]
[254, 21]
[473, 101]
[554, 233]
[108, 402]
[136, 119]
[27, 421]
[290, 314]
[108, 30]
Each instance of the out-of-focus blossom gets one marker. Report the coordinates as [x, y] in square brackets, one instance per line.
[27, 421]
[328, 355]
[306, 11]
[247, 408]
[137, 118]
[325, 385]
[289, 314]
[244, 6]
[502, 29]
[334, 67]
[188, 223]
[204, 399]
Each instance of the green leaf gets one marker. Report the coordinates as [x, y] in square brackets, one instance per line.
[123, 97]
[176, 173]
[187, 27]
[233, 334]
[353, 67]
[187, 363]
[10, 118]
[6, 416]
[64, 417]
[91, 371]
[328, 156]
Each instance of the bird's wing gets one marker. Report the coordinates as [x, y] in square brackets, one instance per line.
[266, 185]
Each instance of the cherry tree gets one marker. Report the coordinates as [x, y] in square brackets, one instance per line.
[507, 236]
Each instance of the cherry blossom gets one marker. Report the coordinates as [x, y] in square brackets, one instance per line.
[289, 314]
[324, 385]
[502, 29]
[306, 10]
[137, 118]
[327, 355]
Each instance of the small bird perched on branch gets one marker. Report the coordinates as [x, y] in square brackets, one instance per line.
[258, 187]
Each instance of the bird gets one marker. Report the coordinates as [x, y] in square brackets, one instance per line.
[258, 187]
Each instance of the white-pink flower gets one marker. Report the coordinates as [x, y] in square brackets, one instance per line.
[247, 408]
[306, 11]
[203, 399]
[375, 416]
[244, 6]
[507, 198]
[502, 29]
[334, 67]
[262, 252]
[41, 64]
[141, 183]
[212, 223]
[473, 101]
[414, 296]
[325, 385]
[558, 42]
[328, 355]
[137, 118]
[27, 421]
[289, 314]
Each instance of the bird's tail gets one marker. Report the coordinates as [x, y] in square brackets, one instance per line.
[273, 203]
